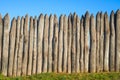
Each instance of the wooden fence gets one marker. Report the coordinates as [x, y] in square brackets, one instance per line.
[68, 44]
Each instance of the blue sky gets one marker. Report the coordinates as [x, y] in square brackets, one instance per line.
[58, 7]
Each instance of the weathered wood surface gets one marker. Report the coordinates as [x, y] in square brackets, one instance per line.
[87, 21]
[101, 42]
[112, 42]
[39, 44]
[73, 53]
[25, 46]
[60, 48]
[1, 38]
[35, 48]
[78, 44]
[82, 45]
[16, 46]
[45, 47]
[107, 37]
[69, 42]
[97, 41]
[12, 40]
[50, 42]
[55, 43]
[117, 41]
[6, 23]
[30, 48]
[20, 46]
[65, 28]
[92, 45]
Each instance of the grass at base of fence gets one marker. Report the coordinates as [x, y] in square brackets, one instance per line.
[63, 76]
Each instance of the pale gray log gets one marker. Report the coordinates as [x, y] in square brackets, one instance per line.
[12, 37]
[45, 39]
[55, 43]
[69, 42]
[92, 45]
[107, 37]
[39, 44]
[101, 36]
[78, 45]
[1, 33]
[50, 47]
[65, 28]
[25, 49]
[87, 20]
[112, 42]
[35, 46]
[60, 44]
[118, 41]
[4, 56]
[97, 41]
[20, 48]
[82, 45]
[30, 50]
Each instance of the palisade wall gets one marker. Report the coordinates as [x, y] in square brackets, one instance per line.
[68, 44]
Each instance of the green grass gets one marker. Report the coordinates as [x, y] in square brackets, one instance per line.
[63, 76]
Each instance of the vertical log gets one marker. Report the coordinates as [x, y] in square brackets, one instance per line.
[92, 45]
[60, 48]
[30, 50]
[25, 49]
[117, 41]
[97, 41]
[69, 42]
[1, 33]
[112, 42]
[65, 28]
[20, 48]
[45, 39]
[101, 41]
[78, 45]
[35, 45]
[107, 36]
[82, 45]
[6, 24]
[86, 41]
[50, 47]
[73, 44]
[55, 43]
[12, 37]
[40, 39]
[16, 46]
